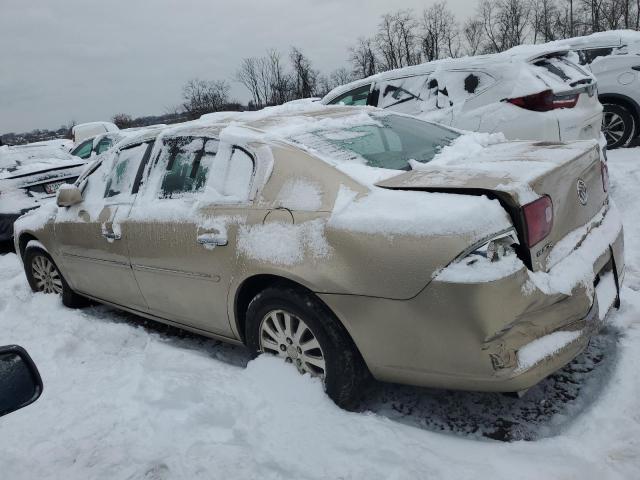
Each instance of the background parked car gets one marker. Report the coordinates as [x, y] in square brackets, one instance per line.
[82, 131]
[29, 174]
[527, 95]
[614, 58]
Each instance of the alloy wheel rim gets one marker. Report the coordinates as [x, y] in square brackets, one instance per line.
[46, 275]
[289, 337]
[613, 127]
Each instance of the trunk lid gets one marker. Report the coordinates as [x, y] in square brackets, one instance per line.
[518, 173]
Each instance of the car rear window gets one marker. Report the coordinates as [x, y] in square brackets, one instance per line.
[559, 71]
[388, 142]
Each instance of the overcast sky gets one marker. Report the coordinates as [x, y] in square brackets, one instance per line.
[86, 60]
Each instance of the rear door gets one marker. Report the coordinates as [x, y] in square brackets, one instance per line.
[183, 231]
[92, 235]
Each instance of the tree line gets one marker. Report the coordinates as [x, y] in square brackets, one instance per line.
[401, 38]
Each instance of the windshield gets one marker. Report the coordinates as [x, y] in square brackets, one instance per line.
[390, 142]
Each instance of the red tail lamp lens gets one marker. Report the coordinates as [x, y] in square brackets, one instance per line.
[545, 101]
[538, 216]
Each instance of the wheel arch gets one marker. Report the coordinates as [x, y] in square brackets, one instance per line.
[253, 285]
[23, 240]
[623, 101]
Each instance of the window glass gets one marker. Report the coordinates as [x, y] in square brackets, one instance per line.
[83, 150]
[354, 97]
[125, 166]
[103, 145]
[588, 56]
[188, 164]
[237, 184]
[390, 143]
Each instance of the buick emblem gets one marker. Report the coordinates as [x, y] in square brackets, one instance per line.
[583, 193]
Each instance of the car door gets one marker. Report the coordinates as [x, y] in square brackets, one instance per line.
[92, 234]
[183, 231]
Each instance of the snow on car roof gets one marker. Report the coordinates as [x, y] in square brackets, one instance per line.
[499, 64]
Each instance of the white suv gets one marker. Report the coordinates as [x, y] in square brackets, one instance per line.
[614, 58]
[534, 95]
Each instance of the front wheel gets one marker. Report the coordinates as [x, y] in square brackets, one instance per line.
[618, 125]
[295, 326]
[43, 276]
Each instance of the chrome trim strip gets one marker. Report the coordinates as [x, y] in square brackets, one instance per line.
[182, 273]
[100, 261]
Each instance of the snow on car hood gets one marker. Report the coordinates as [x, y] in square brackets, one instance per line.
[24, 160]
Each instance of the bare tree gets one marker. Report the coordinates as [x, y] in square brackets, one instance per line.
[305, 77]
[247, 74]
[122, 120]
[204, 96]
[396, 40]
[439, 37]
[364, 59]
[505, 23]
[473, 32]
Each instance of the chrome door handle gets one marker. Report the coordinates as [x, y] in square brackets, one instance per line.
[214, 239]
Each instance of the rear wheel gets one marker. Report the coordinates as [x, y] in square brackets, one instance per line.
[43, 276]
[618, 125]
[295, 326]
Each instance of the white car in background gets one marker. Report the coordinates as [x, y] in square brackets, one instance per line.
[614, 59]
[527, 95]
[83, 131]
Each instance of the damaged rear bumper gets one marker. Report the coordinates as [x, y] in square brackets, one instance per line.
[503, 335]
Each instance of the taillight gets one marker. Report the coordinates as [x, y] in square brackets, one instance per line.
[604, 170]
[545, 101]
[538, 217]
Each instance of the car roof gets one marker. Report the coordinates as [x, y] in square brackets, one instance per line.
[273, 123]
[496, 63]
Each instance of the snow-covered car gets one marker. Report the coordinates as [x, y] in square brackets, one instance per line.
[526, 94]
[30, 174]
[614, 59]
[346, 241]
[82, 131]
[96, 145]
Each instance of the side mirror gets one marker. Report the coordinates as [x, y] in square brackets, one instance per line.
[20, 382]
[68, 195]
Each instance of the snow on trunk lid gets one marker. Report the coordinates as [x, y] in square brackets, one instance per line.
[519, 173]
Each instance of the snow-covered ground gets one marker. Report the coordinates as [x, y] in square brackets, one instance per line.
[125, 398]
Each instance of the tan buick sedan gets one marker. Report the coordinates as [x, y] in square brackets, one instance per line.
[348, 242]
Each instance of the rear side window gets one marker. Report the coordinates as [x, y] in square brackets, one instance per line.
[188, 164]
[123, 174]
[83, 150]
[588, 56]
[357, 96]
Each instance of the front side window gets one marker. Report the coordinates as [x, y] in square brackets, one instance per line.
[123, 174]
[188, 164]
[103, 145]
[354, 97]
[390, 141]
[84, 149]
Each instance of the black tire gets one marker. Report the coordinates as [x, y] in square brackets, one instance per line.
[346, 373]
[32, 256]
[618, 125]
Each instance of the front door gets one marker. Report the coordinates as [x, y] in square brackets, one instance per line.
[92, 235]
